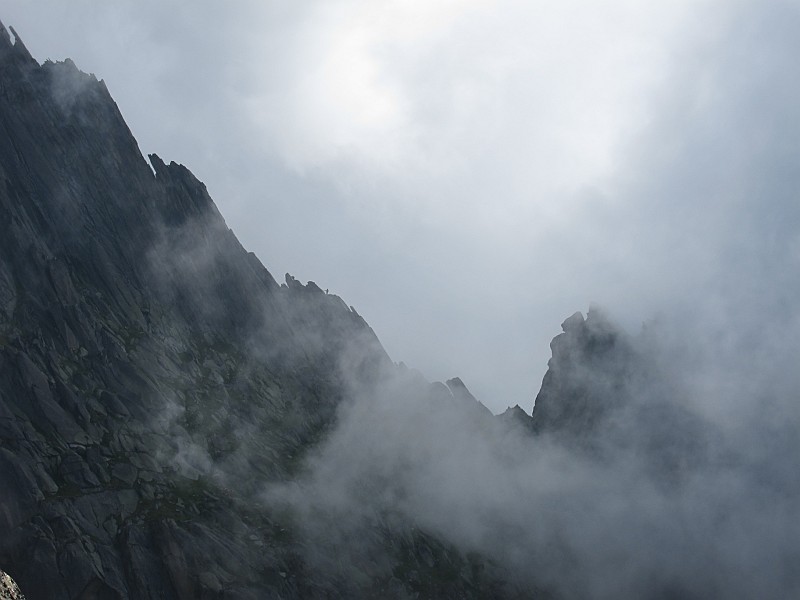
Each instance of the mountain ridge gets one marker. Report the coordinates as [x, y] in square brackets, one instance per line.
[177, 423]
[150, 363]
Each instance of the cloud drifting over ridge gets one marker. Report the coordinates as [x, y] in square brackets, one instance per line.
[503, 163]
[672, 498]
[699, 224]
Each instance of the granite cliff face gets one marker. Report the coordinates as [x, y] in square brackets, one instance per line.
[153, 374]
[137, 340]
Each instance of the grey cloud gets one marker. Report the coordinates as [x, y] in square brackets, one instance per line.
[665, 501]
[697, 225]
[463, 222]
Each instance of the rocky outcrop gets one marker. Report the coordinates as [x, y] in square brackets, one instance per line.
[605, 392]
[587, 378]
[155, 378]
[148, 363]
[9, 590]
[465, 398]
[516, 417]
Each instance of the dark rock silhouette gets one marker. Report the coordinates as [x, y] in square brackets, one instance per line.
[138, 340]
[153, 374]
[588, 376]
[155, 378]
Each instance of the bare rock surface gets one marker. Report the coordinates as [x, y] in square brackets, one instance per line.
[8, 589]
[154, 377]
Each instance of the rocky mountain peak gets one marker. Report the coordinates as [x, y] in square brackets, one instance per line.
[516, 416]
[586, 377]
[143, 354]
[464, 397]
[14, 47]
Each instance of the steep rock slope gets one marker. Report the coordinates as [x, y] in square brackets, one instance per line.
[589, 375]
[606, 393]
[154, 375]
[140, 346]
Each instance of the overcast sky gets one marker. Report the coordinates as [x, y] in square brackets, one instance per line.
[469, 173]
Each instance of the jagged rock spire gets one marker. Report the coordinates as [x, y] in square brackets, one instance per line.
[16, 45]
[4, 35]
[587, 375]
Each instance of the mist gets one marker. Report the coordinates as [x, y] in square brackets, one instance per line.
[677, 490]
[439, 164]
[690, 487]
[685, 231]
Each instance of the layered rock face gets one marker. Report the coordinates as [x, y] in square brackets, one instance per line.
[139, 342]
[153, 374]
